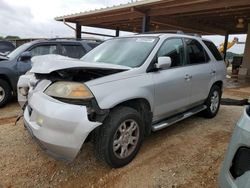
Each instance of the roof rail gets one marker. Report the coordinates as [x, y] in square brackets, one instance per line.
[82, 39]
[193, 34]
[164, 31]
[172, 31]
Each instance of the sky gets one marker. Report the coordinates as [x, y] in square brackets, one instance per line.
[33, 18]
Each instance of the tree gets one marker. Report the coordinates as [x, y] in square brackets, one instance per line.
[10, 37]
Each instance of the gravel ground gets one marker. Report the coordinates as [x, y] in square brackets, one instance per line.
[188, 154]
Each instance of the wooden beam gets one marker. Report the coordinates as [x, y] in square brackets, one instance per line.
[111, 18]
[145, 24]
[199, 6]
[213, 12]
[225, 46]
[117, 32]
[78, 31]
[186, 24]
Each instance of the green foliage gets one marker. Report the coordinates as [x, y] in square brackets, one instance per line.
[10, 37]
[230, 55]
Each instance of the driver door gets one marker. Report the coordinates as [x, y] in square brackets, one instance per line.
[172, 86]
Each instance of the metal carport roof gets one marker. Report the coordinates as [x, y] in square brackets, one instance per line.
[197, 16]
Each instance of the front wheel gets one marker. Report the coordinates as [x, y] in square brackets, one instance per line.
[5, 92]
[119, 139]
[213, 102]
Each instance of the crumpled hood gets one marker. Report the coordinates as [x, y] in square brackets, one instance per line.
[48, 63]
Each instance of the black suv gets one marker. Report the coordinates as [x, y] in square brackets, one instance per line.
[18, 61]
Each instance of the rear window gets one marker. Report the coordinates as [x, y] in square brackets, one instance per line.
[93, 44]
[213, 49]
[195, 52]
[73, 51]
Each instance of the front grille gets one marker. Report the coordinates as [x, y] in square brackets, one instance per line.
[241, 162]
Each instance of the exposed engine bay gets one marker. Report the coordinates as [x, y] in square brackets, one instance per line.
[77, 74]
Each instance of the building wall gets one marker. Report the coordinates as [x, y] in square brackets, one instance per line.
[246, 58]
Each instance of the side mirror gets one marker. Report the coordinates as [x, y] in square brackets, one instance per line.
[163, 62]
[25, 56]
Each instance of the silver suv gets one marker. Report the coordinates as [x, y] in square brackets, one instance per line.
[120, 92]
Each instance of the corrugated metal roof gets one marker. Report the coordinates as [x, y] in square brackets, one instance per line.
[196, 16]
[112, 8]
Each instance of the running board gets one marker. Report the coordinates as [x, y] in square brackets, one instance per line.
[167, 122]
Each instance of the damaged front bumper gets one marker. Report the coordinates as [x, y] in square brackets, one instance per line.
[59, 127]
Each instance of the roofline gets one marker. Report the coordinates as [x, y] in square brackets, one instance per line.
[102, 10]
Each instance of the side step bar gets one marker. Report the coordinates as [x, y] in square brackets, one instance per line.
[167, 122]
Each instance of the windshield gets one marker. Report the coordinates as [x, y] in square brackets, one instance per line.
[131, 52]
[18, 51]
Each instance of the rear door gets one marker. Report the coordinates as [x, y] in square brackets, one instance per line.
[172, 90]
[202, 72]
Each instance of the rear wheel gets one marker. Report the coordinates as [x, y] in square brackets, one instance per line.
[213, 102]
[119, 139]
[5, 92]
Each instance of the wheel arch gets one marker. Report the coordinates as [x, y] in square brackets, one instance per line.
[218, 83]
[143, 106]
[5, 78]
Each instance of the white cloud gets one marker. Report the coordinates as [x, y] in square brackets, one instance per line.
[29, 18]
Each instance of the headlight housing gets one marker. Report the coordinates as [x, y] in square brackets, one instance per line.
[69, 90]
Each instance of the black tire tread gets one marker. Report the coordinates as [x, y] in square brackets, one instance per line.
[103, 132]
[207, 112]
[8, 94]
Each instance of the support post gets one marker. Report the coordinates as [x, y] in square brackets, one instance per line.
[117, 32]
[225, 46]
[78, 31]
[145, 23]
[246, 56]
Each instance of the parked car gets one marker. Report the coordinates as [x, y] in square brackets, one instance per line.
[126, 88]
[6, 47]
[18, 62]
[235, 171]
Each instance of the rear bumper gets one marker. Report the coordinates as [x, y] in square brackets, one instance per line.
[60, 128]
[240, 138]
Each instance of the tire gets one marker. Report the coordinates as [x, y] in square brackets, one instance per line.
[5, 92]
[213, 102]
[115, 128]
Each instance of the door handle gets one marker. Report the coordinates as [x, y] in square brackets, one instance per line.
[188, 77]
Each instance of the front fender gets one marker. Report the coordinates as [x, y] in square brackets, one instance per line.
[113, 93]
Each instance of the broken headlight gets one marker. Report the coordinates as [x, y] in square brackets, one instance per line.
[69, 90]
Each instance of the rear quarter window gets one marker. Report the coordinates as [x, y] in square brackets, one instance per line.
[213, 49]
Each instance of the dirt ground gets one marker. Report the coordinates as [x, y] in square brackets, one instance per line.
[188, 154]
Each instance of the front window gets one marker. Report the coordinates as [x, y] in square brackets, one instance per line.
[173, 48]
[131, 52]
